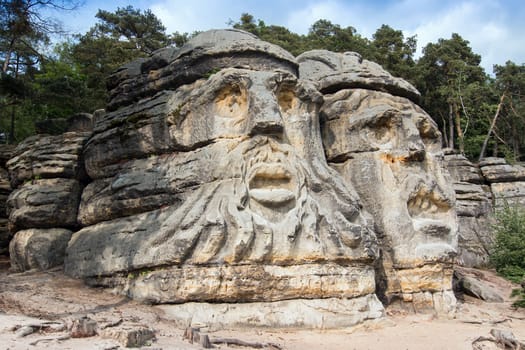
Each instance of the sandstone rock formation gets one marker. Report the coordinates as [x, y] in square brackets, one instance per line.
[47, 174]
[210, 184]
[389, 149]
[228, 176]
[480, 190]
[474, 208]
[507, 182]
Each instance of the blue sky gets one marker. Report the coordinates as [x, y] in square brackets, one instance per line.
[495, 28]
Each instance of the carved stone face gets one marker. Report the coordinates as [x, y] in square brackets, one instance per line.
[389, 149]
[261, 131]
[262, 112]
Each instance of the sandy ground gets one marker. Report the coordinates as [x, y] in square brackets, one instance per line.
[36, 297]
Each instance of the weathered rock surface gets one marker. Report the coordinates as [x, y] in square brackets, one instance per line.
[48, 157]
[333, 72]
[245, 283]
[297, 313]
[474, 208]
[200, 188]
[469, 283]
[44, 203]
[130, 336]
[202, 56]
[38, 249]
[229, 172]
[6, 152]
[498, 170]
[47, 174]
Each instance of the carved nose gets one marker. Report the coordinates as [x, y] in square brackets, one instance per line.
[267, 120]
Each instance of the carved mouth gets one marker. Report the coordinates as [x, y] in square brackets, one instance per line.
[271, 184]
[431, 227]
[428, 203]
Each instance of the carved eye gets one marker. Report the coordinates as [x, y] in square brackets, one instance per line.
[232, 102]
[429, 133]
[287, 99]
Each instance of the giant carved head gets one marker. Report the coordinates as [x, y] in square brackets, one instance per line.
[243, 205]
[389, 149]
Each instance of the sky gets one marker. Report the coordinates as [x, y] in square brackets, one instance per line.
[494, 28]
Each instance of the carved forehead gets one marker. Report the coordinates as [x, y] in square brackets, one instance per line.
[249, 81]
[367, 107]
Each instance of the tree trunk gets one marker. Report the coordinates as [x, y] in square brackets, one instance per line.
[445, 134]
[461, 137]
[450, 127]
[491, 128]
[12, 127]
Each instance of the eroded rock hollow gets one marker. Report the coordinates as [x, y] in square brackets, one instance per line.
[250, 187]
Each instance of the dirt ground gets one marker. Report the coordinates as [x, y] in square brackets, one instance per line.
[34, 298]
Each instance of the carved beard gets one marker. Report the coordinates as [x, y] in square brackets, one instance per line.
[280, 209]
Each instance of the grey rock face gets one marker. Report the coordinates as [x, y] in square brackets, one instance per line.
[48, 157]
[44, 203]
[231, 173]
[498, 170]
[200, 57]
[6, 152]
[474, 207]
[333, 72]
[38, 249]
[297, 313]
[47, 173]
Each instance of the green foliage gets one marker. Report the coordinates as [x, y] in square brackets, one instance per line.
[508, 254]
[510, 82]
[394, 52]
[118, 38]
[520, 293]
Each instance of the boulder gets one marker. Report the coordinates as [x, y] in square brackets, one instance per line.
[498, 170]
[44, 203]
[477, 288]
[38, 249]
[39, 157]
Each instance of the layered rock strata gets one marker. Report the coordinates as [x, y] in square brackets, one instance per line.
[507, 182]
[480, 190]
[474, 208]
[47, 174]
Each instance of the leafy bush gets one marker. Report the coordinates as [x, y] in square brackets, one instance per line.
[508, 255]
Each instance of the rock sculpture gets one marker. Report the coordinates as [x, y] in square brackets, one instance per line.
[389, 149]
[216, 189]
[228, 171]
